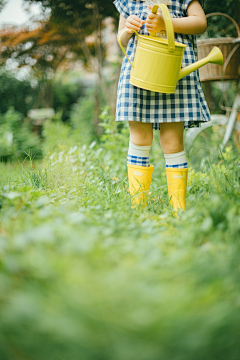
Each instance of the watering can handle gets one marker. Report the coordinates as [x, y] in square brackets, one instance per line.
[169, 29]
[168, 24]
[120, 43]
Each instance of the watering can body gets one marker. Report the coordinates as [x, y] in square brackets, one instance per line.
[154, 67]
[157, 62]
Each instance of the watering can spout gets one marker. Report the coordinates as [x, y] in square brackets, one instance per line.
[214, 57]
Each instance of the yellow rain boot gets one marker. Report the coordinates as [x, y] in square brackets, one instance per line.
[177, 186]
[139, 183]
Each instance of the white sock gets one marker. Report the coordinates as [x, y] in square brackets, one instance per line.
[177, 160]
[138, 155]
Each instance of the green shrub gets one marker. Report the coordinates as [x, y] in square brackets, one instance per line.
[84, 276]
[66, 90]
[16, 138]
[16, 94]
[82, 118]
[60, 93]
[80, 129]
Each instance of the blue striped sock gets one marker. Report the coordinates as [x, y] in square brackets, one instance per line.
[176, 161]
[138, 155]
[138, 160]
[178, 166]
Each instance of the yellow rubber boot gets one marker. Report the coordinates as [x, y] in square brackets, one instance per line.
[177, 186]
[139, 183]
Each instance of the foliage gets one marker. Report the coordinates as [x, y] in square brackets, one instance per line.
[60, 41]
[77, 10]
[85, 276]
[16, 93]
[16, 138]
[82, 118]
[78, 130]
[71, 103]
[2, 4]
[63, 32]
[220, 26]
[60, 93]
[67, 27]
[222, 95]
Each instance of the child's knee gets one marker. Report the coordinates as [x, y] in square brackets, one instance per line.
[171, 144]
[171, 138]
[141, 134]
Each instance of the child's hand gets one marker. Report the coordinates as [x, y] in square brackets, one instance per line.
[155, 22]
[134, 23]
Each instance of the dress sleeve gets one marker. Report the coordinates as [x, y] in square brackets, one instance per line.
[186, 4]
[122, 7]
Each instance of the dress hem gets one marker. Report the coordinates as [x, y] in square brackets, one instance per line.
[192, 123]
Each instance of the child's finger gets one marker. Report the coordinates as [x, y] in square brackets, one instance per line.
[133, 22]
[150, 7]
[141, 22]
[149, 22]
[129, 30]
[132, 27]
[151, 16]
[136, 18]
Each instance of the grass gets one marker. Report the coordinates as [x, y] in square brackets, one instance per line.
[84, 276]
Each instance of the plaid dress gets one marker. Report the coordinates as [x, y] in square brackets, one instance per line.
[187, 104]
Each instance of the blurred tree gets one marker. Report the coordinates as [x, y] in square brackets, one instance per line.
[65, 95]
[2, 4]
[220, 26]
[64, 35]
[62, 38]
[16, 138]
[22, 96]
[16, 94]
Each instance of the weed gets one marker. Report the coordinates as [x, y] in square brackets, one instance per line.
[85, 276]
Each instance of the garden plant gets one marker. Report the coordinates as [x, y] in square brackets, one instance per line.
[85, 276]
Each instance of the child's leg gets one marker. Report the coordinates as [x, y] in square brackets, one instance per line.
[171, 140]
[141, 136]
[171, 137]
[139, 170]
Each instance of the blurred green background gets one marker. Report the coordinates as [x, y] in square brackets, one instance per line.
[82, 275]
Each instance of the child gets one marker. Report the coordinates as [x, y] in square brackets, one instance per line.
[147, 110]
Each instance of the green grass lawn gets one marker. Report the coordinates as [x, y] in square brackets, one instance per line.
[85, 277]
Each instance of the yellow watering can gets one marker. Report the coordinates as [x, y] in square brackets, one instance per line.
[157, 62]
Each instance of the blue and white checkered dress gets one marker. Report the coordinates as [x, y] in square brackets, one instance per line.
[187, 104]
